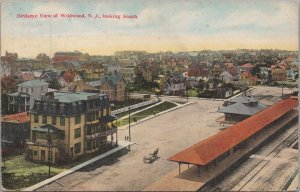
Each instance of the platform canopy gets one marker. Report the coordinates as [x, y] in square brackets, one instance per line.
[211, 148]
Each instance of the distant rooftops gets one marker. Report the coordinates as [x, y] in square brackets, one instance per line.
[112, 80]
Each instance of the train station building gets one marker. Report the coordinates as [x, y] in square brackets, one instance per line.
[204, 161]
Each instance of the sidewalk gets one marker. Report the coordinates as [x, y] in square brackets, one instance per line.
[152, 116]
[121, 145]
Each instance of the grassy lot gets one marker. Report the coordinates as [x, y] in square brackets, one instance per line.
[133, 110]
[19, 173]
[143, 114]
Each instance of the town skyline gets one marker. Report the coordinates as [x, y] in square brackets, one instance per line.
[157, 52]
[160, 26]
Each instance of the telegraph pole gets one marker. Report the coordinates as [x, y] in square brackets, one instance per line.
[49, 152]
[129, 128]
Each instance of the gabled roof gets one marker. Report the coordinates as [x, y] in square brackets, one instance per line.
[247, 74]
[211, 148]
[243, 109]
[69, 75]
[51, 75]
[248, 65]
[78, 86]
[27, 76]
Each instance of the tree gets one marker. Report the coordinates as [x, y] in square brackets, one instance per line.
[83, 75]
[255, 70]
[201, 85]
[54, 84]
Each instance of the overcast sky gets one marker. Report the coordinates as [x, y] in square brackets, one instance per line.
[160, 26]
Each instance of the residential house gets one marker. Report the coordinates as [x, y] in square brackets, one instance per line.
[216, 71]
[26, 76]
[246, 67]
[174, 84]
[226, 77]
[241, 108]
[5, 71]
[112, 67]
[247, 77]
[149, 71]
[199, 71]
[68, 77]
[113, 85]
[79, 86]
[94, 70]
[35, 88]
[73, 124]
[15, 129]
[49, 76]
[128, 73]
[18, 102]
[278, 72]
[8, 85]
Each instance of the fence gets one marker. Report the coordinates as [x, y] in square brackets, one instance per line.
[135, 106]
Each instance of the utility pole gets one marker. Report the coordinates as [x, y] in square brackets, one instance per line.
[186, 89]
[129, 128]
[49, 152]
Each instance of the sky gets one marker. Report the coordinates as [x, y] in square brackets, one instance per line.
[175, 25]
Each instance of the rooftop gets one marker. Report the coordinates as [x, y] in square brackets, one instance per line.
[112, 80]
[21, 94]
[33, 83]
[211, 148]
[16, 118]
[67, 97]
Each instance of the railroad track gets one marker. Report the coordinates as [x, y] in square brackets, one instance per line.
[287, 141]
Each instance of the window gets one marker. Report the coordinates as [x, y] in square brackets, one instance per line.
[77, 119]
[53, 120]
[77, 147]
[44, 119]
[77, 133]
[89, 145]
[35, 153]
[36, 118]
[92, 116]
[62, 121]
[41, 135]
